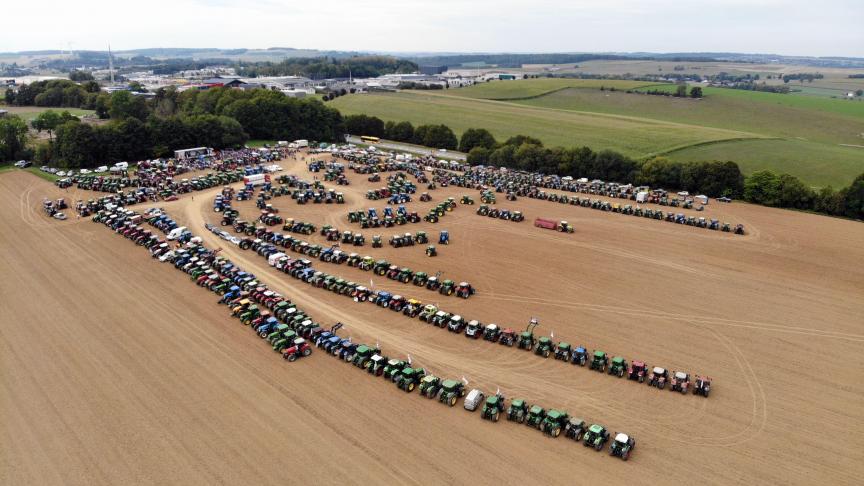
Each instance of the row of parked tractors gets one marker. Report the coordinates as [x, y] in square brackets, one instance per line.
[505, 214]
[270, 245]
[292, 333]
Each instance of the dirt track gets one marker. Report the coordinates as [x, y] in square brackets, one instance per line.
[117, 369]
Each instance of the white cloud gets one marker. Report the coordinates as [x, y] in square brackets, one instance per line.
[831, 27]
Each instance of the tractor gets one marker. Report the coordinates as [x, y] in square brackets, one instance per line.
[381, 267]
[465, 290]
[544, 347]
[618, 366]
[564, 227]
[702, 386]
[440, 319]
[358, 240]
[425, 197]
[637, 371]
[393, 368]
[622, 446]
[466, 200]
[600, 361]
[575, 429]
[376, 241]
[430, 386]
[456, 324]
[658, 377]
[554, 423]
[492, 333]
[483, 210]
[526, 340]
[451, 391]
[447, 288]
[595, 437]
[299, 348]
[680, 382]
[409, 378]
[412, 308]
[580, 356]
[507, 337]
[493, 407]
[517, 411]
[420, 238]
[405, 275]
[428, 313]
[444, 237]
[562, 351]
[431, 251]
[535, 416]
[377, 363]
[517, 217]
[362, 356]
[420, 279]
[474, 329]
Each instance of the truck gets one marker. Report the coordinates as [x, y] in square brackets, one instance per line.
[546, 223]
[256, 179]
[301, 143]
[642, 197]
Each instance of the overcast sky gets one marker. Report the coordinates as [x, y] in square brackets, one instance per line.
[802, 27]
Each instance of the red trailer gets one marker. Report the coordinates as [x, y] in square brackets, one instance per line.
[545, 223]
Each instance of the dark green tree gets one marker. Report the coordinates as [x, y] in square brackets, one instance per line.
[476, 137]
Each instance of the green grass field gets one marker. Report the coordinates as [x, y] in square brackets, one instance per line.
[28, 113]
[522, 89]
[629, 135]
[800, 134]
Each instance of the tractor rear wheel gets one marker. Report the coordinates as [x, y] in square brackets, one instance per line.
[307, 352]
[292, 357]
[409, 388]
[452, 401]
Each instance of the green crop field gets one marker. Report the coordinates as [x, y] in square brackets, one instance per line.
[512, 90]
[811, 137]
[630, 135]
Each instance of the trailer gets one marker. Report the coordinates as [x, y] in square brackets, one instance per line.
[256, 179]
[546, 223]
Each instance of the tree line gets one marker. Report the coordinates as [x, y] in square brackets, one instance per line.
[330, 67]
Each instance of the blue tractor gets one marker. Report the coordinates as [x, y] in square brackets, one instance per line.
[383, 298]
[444, 238]
[373, 214]
[388, 211]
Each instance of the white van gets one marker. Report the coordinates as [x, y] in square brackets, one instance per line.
[272, 259]
[175, 233]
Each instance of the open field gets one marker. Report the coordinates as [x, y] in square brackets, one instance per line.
[126, 372]
[806, 136]
[30, 112]
[554, 127]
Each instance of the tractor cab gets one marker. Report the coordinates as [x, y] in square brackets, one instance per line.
[376, 364]
[658, 377]
[580, 356]
[574, 429]
[451, 391]
[465, 290]
[680, 382]
[429, 386]
[526, 340]
[554, 422]
[517, 411]
[600, 361]
[507, 337]
[393, 368]
[473, 329]
[456, 324]
[562, 351]
[702, 386]
[492, 408]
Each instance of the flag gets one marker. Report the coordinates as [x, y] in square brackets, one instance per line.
[371, 284]
[552, 334]
[464, 380]
[409, 359]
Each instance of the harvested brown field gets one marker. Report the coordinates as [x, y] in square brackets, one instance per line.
[116, 369]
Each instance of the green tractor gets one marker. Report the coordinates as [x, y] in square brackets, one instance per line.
[409, 378]
[420, 279]
[285, 341]
[451, 391]
[618, 366]
[563, 351]
[492, 408]
[483, 210]
[447, 287]
[430, 386]
[526, 340]
[595, 437]
[381, 267]
[544, 347]
[600, 361]
[393, 368]
[554, 423]
[466, 200]
[517, 411]
[405, 275]
[363, 356]
[536, 414]
[575, 429]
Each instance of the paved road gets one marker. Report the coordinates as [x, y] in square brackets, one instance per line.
[414, 149]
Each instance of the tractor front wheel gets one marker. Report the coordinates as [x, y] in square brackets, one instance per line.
[292, 357]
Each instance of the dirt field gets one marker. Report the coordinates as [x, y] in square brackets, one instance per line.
[117, 369]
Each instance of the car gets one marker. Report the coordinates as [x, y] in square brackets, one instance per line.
[102, 168]
[724, 199]
[61, 173]
[85, 171]
[59, 216]
[52, 170]
[474, 398]
[22, 164]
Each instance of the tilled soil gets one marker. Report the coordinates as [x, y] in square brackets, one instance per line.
[118, 369]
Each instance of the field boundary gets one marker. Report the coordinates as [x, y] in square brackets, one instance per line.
[709, 142]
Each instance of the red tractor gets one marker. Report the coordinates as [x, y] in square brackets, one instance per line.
[702, 386]
[507, 337]
[637, 371]
[658, 377]
[680, 382]
[298, 348]
[465, 290]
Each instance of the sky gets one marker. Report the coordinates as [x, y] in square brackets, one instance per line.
[788, 27]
